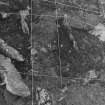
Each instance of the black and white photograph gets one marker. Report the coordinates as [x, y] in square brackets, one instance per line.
[52, 52]
[15, 52]
[68, 52]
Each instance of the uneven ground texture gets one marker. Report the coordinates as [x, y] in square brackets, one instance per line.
[63, 51]
[64, 58]
[12, 34]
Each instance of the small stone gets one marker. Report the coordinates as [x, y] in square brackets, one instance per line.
[43, 49]
[34, 51]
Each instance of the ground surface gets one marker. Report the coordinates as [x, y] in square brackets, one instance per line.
[12, 34]
[62, 58]
[60, 66]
